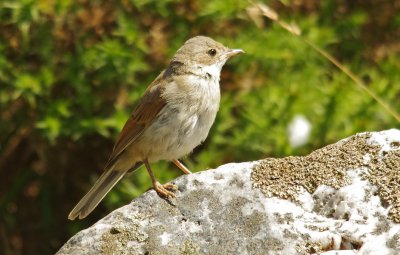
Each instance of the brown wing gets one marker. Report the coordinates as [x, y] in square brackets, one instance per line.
[143, 115]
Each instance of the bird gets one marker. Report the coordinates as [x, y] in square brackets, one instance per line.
[173, 116]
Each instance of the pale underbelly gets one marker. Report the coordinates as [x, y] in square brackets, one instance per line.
[173, 135]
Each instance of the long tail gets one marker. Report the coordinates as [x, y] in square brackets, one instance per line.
[102, 186]
[99, 190]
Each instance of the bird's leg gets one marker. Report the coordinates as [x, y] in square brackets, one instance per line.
[181, 166]
[163, 190]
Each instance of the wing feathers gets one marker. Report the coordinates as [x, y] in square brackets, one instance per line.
[147, 109]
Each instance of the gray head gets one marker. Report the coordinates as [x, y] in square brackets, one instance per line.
[202, 51]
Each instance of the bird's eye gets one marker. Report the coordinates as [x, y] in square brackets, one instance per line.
[212, 52]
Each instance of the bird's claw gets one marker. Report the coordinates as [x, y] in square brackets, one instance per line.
[165, 190]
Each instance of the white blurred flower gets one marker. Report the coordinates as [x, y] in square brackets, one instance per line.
[299, 130]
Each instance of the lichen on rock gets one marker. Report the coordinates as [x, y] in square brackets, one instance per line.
[287, 177]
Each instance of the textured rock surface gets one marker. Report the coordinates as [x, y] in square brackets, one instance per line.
[341, 199]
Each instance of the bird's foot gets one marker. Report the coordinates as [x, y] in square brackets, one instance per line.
[165, 190]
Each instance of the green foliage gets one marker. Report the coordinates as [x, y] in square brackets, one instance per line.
[71, 72]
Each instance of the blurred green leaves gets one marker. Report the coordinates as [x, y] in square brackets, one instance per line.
[87, 64]
[223, 9]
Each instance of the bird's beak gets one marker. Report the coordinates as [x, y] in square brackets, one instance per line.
[233, 52]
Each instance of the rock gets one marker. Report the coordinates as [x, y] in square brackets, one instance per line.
[341, 199]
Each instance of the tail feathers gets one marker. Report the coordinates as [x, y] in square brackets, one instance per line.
[99, 190]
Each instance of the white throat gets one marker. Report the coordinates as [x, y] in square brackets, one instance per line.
[212, 70]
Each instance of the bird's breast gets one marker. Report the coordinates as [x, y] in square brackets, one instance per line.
[186, 119]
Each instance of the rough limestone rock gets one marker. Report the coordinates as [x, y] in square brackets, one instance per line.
[341, 199]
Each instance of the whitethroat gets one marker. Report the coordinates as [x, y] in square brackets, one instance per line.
[173, 116]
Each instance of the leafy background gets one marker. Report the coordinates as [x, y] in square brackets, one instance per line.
[71, 72]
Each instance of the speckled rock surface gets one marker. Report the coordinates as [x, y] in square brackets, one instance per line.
[341, 199]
